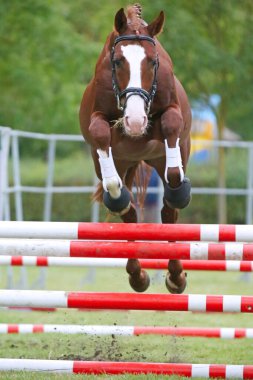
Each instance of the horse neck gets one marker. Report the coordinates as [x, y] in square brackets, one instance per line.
[163, 54]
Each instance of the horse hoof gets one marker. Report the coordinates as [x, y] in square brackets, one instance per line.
[173, 287]
[140, 283]
[178, 197]
[118, 206]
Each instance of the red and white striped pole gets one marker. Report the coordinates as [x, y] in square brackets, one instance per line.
[127, 301]
[43, 261]
[223, 371]
[205, 265]
[209, 332]
[116, 249]
[117, 231]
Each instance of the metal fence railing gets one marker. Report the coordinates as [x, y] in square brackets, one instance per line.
[9, 148]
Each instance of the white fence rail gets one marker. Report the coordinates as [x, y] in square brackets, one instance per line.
[9, 147]
[5, 137]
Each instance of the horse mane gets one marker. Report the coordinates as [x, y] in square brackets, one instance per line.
[134, 16]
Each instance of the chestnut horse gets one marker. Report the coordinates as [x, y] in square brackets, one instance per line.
[135, 110]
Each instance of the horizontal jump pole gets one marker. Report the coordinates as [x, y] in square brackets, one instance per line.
[223, 332]
[127, 301]
[205, 265]
[223, 371]
[118, 231]
[43, 261]
[119, 249]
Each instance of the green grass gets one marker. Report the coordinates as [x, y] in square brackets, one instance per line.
[141, 348]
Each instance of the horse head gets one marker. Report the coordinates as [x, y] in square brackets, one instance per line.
[134, 68]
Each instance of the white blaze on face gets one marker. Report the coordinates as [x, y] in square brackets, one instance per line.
[135, 118]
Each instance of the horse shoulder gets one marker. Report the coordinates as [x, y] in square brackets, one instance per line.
[184, 104]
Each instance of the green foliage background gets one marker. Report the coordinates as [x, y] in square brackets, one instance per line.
[48, 51]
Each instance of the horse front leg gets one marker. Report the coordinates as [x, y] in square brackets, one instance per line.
[138, 278]
[115, 196]
[175, 280]
[177, 190]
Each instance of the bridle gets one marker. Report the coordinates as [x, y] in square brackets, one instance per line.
[146, 95]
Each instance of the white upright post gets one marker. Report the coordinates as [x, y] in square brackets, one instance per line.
[249, 203]
[5, 135]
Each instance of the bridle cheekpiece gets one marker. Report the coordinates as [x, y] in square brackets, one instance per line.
[146, 95]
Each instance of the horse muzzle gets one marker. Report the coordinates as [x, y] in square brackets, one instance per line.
[135, 126]
[135, 118]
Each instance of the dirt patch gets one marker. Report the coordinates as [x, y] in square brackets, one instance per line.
[107, 351]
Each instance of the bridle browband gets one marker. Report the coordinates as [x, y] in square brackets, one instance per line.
[147, 96]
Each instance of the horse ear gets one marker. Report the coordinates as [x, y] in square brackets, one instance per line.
[156, 26]
[120, 21]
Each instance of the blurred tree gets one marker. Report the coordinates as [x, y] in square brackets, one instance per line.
[42, 66]
[211, 45]
[49, 49]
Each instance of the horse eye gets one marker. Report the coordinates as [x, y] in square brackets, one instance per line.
[152, 62]
[117, 62]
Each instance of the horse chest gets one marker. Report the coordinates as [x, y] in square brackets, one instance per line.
[139, 149]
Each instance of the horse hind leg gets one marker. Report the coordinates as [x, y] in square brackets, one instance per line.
[175, 279]
[138, 278]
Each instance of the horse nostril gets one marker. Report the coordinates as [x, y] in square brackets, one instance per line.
[126, 121]
[145, 121]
